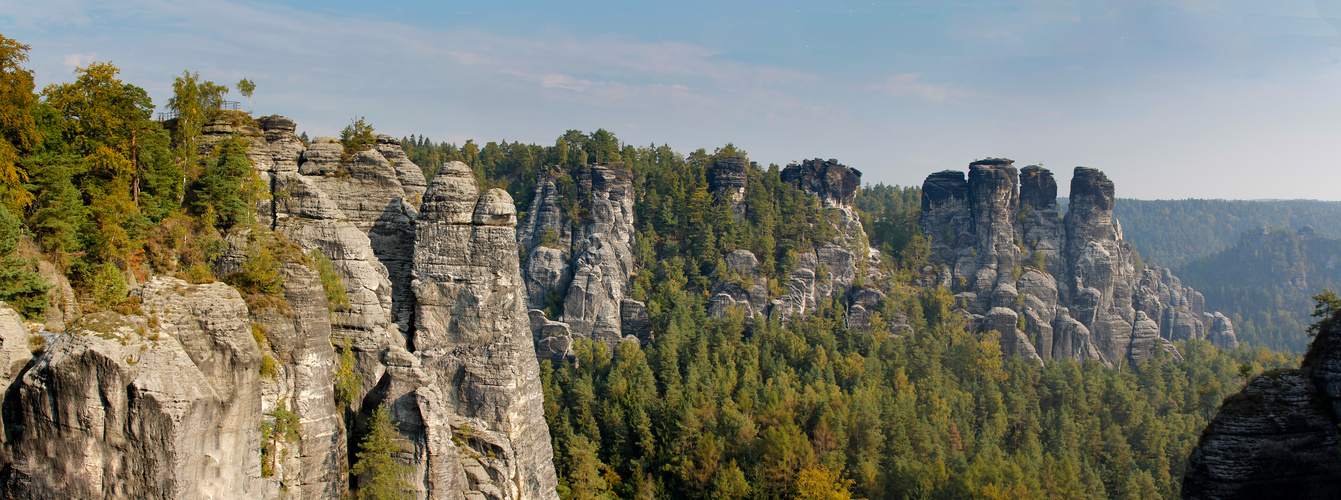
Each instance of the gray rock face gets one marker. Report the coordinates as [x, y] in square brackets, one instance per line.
[728, 179]
[1221, 332]
[834, 183]
[1271, 440]
[473, 343]
[307, 362]
[584, 264]
[164, 405]
[14, 353]
[1276, 438]
[1000, 243]
[437, 322]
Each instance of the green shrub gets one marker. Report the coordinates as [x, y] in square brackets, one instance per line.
[20, 286]
[268, 366]
[109, 285]
[381, 476]
[226, 193]
[337, 299]
[347, 382]
[259, 273]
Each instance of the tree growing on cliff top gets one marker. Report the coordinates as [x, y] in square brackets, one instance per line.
[357, 136]
[195, 101]
[246, 87]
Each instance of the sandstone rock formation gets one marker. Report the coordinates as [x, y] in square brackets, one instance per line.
[998, 242]
[160, 405]
[1276, 438]
[582, 260]
[172, 403]
[581, 263]
[474, 360]
[727, 179]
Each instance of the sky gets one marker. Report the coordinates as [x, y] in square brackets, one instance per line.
[1171, 98]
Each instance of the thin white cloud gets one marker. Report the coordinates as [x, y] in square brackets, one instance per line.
[909, 85]
[72, 61]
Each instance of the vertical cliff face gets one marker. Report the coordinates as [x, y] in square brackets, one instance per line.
[1071, 282]
[1276, 438]
[827, 269]
[583, 260]
[160, 405]
[473, 366]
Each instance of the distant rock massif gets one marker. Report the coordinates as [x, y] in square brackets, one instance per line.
[1054, 286]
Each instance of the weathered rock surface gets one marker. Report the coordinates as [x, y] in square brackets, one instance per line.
[999, 242]
[728, 179]
[1276, 438]
[473, 344]
[170, 403]
[164, 405]
[585, 265]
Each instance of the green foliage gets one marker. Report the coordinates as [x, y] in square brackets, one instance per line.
[1326, 304]
[108, 286]
[549, 238]
[1265, 284]
[357, 136]
[18, 130]
[227, 191]
[195, 103]
[381, 476]
[269, 367]
[246, 87]
[336, 297]
[347, 381]
[285, 431]
[20, 285]
[259, 273]
[1172, 233]
[935, 413]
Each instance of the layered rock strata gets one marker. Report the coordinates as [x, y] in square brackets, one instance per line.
[1072, 282]
[1276, 438]
[727, 179]
[473, 373]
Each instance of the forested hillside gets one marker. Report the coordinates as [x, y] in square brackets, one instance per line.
[1174, 232]
[1266, 281]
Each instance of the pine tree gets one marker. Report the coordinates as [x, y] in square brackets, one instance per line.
[22, 288]
[381, 476]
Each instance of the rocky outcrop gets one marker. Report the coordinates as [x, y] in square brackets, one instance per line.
[998, 241]
[160, 405]
[582, 261]
[834, 183]
[728, 179]
[1276, 438]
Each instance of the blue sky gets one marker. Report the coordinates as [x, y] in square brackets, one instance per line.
[1173, 99]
